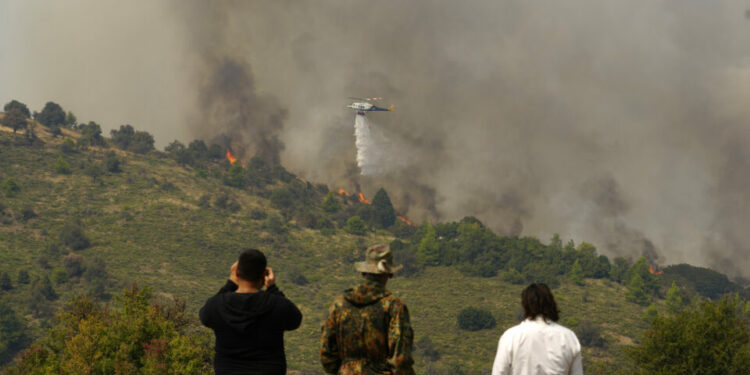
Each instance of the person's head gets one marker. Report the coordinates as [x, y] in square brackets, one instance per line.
[537, 300]
[251, 266]
[378, 264]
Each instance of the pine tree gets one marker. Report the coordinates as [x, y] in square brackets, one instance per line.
[651, 313]
[674, 302]
[384, 214]
[428, 251]
[576, 273]
[636, 290]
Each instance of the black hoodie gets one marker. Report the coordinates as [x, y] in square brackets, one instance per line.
[249, 329]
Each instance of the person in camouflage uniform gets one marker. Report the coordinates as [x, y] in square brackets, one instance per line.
[368, 329]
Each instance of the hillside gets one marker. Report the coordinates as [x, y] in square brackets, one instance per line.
[176, 227]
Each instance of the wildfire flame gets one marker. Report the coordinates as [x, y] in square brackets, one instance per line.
[343, 192]
[651, 271]
[362, 198]
[405, 220]
[231, 157]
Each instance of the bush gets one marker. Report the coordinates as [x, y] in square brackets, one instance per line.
[127, 138]
[5, 283]
[330, 204]
[204, 201]
[10, 187]
[27, 213]
[68, 146]
[72, 236]
[23, 277]
[59, 276]
[355, 225]
[73, 264]
[276, 225]
[475, 319]
[297, 278]
[14, 120]
[427, 349]
[590, 335]
[18, 106]
[91, 135]
[62, 166]
[514, 277]
[112, 163]
[258, 214]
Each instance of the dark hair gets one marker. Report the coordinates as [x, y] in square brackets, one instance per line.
[537, 300]
[251, 265]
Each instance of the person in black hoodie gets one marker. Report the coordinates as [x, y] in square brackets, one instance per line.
[249, 322]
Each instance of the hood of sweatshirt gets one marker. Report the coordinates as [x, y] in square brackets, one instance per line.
[242, 310]
[366, 293]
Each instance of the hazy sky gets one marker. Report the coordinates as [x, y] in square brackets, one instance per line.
[624, 123]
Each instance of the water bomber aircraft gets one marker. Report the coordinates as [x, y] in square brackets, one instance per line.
[363, 105]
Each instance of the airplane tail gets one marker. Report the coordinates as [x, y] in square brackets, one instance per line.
[390, 108]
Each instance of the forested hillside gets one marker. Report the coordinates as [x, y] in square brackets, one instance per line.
[83, 216]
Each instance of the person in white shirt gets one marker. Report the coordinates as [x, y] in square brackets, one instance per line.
[538, 346]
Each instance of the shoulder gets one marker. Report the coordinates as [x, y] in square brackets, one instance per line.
[393, 303]
[566, 332]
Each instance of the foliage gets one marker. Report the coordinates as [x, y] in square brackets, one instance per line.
[704, 281]
[23, 277]
[618, 270]
[71, 120]
[576, 273]
[52, 115]
[383, 214]
[127, 138]
[637, 290]
[330, 204]
[642, 268]
[514, 277]
[674, 301]
[235, 177]
[711, 338]
[91, 135]
[14, 119]
[475, 319]
[136, 337]
[10, 187]
[590, 335]
[15, 105]
[62, 166]
[112, 163]
[73, 264]
[68, 146]
[428, 251]
[72, 236]
[13, 332]
[355, 225]
[427, 349]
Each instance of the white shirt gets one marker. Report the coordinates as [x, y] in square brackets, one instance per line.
[538, 347]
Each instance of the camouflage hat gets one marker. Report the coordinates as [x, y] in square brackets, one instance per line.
[378, 259]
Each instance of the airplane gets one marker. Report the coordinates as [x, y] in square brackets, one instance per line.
[363, 105]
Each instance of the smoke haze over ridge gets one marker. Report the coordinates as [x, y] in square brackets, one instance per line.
[621, 123]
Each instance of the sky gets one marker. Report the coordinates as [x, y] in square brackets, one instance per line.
[621, 123]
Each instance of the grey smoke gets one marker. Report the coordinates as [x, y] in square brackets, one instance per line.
[619, 123]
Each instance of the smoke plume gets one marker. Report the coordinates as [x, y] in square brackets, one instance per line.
[619, 123]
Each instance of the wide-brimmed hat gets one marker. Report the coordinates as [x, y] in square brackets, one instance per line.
[378, 259]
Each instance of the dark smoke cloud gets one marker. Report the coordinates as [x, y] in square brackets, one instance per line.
[619, 123]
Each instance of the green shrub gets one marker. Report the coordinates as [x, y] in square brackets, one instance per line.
[10, 187]
[72, 236]
[62, 166]
[355, 225]
[475, 319]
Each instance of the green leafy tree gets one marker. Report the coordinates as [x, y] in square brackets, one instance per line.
[122, 137]
[330, 204]
[355, 225]
[642, 268]
[59, 275]
[590, 335]
[235, 177]
[71, 120]
[709, 339]
[52, 115]
[91, 135]
[135, 336]
[141, 143]
[73, 264]
[576, 273]
[15, 120]
[5, 283]
[18, 106]
[637, 290]
[62, 166]
[619, 270]
[674, 302]
[383, 214]
[44, 286]
[428, 251]
[475, 319]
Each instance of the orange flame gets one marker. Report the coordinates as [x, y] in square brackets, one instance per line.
[405, 220]
[362, 198]
[231, 157]
[651, 271]
[343, 192]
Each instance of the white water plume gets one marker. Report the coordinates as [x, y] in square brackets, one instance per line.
[374, 150]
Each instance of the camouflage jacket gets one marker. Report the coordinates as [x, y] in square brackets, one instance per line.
[367, 332]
